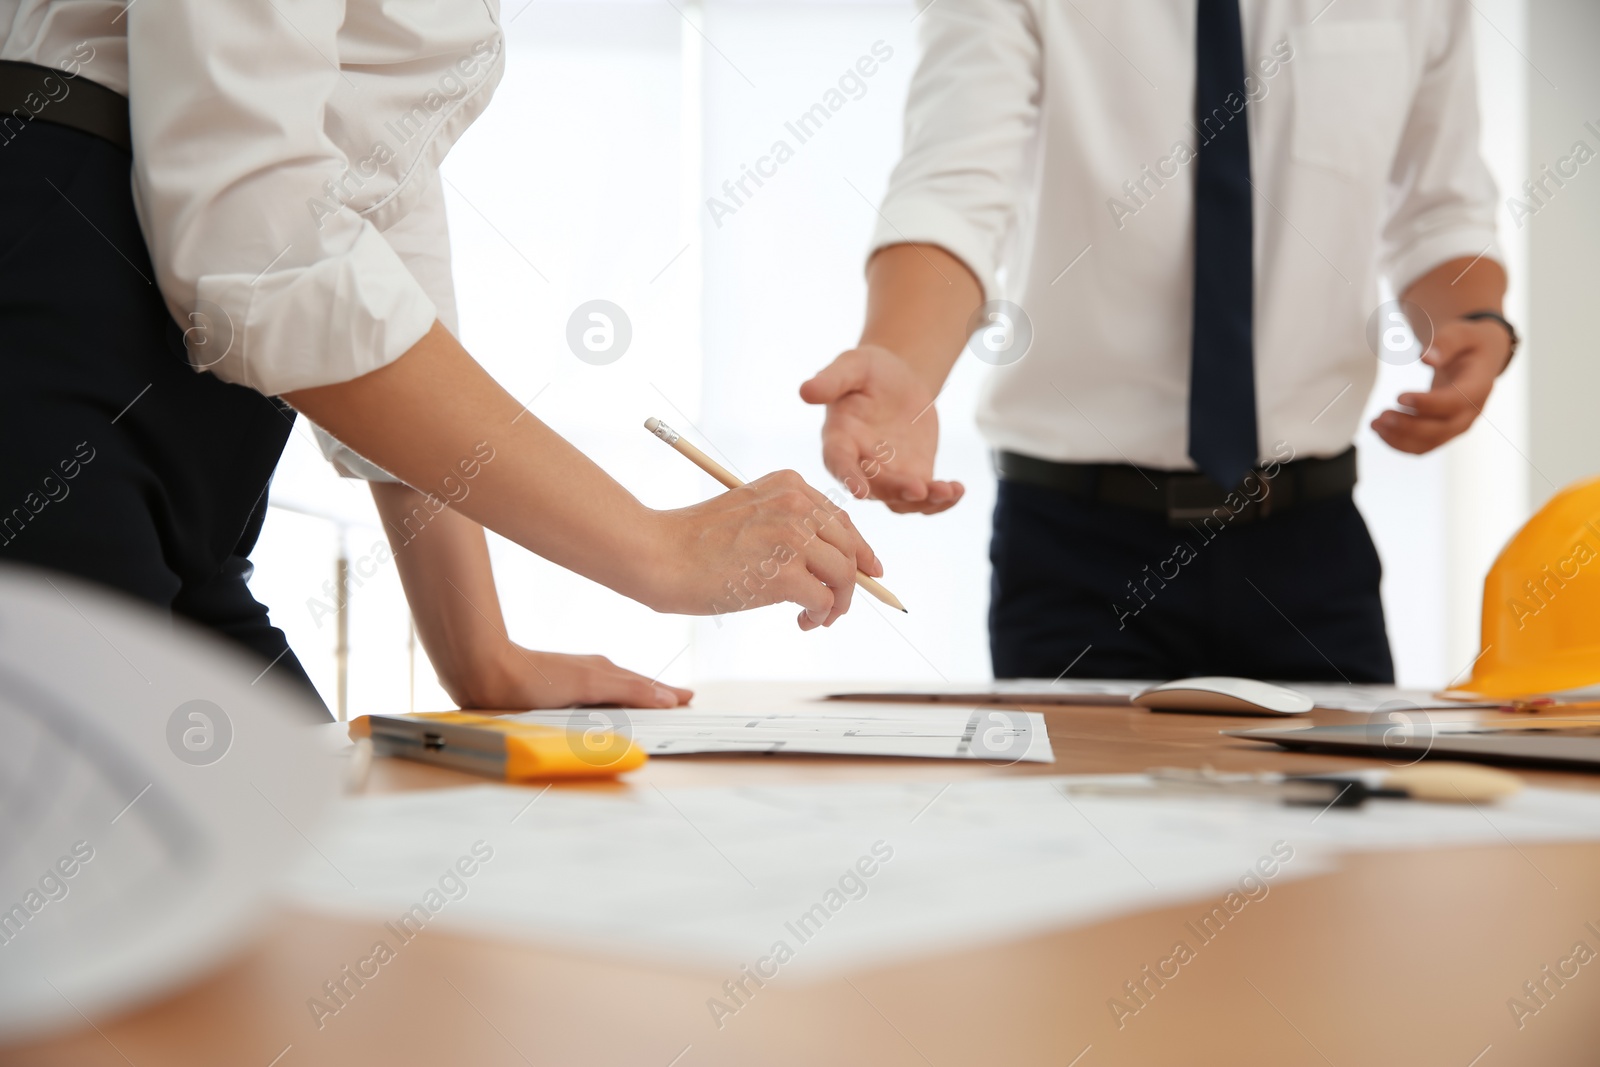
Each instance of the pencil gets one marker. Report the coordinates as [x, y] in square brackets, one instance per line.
[725, 476]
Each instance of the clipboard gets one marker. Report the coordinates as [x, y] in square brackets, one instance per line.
[500, 747]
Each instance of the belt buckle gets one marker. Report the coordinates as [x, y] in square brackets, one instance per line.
[1191, 497]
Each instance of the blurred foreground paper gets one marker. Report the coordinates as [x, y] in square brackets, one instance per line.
[851, 874]
[153, 782]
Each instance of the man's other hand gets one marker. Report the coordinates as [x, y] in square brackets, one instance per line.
[1466, 356]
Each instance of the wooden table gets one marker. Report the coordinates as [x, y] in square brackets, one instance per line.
[1406, 958]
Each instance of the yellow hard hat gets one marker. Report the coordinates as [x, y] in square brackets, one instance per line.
[1541, 602]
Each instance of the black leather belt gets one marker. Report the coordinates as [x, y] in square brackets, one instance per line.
[29, 91]
[1185, 496]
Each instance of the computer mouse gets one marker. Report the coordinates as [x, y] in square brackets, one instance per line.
[1226, 696]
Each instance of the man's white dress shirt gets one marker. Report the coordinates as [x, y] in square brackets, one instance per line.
[1049, 143]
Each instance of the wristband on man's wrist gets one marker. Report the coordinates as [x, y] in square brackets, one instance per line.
[1495, 316]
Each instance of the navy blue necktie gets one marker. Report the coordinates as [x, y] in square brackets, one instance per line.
[1222, 389]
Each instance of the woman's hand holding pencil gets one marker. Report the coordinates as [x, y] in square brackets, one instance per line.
[782, 540]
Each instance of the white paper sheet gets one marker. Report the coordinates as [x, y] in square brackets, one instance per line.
[989, 734]
[715, 877]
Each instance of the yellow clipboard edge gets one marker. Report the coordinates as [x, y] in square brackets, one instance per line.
[533, 752]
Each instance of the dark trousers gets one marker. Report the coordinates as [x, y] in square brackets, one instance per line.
[1114, 592]
[118, 463]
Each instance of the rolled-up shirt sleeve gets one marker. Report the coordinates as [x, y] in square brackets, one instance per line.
[1443, 198]
[237, 186]
[971, 113]
[422, 241]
